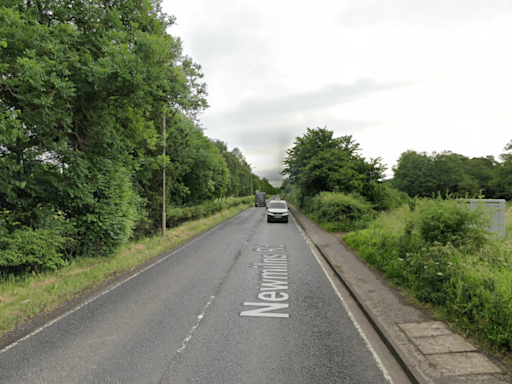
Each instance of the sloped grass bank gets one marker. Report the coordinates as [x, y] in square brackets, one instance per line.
[23, 297]
[443, 258]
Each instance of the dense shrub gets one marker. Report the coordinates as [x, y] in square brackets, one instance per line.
[441, 253]
[98, 197]
[82, 129]
[384, 197]
[25, 249]
[31, 250]
[341, 212]
[445, 221]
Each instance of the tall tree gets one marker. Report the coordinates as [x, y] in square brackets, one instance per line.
[502, 183]
[83, 89]
[414, 174]
[420, 174]
[320, 162]
[480, 172]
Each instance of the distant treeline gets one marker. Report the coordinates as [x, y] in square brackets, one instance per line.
[84, 87]
[421, 174]
[330, 180]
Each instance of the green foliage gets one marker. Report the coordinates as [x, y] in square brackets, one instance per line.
[177, 216]
[206, 173]
[337, 211]
[31, 250]
[446, 221]
[414, 174]
[98, 197]
[501, 185]
[440, 253]
[83, 90]
[81, 84]
[412, 203]
[340, 212]
[239, 170]
[319, 162]
[384, 197]
[424, 175]
[262, 185]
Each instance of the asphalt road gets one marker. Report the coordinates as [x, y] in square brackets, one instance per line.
[247, 302]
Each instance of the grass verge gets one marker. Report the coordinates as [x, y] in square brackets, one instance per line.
[23, 298]
[466, 280]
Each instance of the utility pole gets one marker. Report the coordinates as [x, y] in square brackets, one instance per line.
[164, 223]
[251, 177]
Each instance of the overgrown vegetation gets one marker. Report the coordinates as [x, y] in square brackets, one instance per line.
[411, 228]
[336, 211]
[441, 252]
[23, 296]
[333, 184]
[84, 90]
[437, 249]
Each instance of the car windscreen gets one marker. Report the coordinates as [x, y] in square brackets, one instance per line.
[278, 205]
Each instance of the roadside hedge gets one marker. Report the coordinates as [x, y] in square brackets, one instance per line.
[177, 216]
[28, 250]
[337, 211]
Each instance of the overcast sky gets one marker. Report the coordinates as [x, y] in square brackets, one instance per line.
[427, 75]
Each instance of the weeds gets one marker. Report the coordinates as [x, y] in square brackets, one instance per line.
[441, 253]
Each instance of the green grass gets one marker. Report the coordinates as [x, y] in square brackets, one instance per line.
[468, 284]
[22, 298]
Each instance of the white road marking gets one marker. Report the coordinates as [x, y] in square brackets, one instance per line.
[349, 312]
[262, 312]
[275, 267]
[199, 318]
[105, 292]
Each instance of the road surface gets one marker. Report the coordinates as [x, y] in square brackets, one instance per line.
[247, 302]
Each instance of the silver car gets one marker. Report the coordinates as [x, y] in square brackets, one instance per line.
[277, 211]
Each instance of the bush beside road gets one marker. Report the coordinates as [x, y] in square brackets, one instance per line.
[442, 257]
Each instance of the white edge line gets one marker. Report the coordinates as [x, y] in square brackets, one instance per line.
[104, 292]
[349, 312]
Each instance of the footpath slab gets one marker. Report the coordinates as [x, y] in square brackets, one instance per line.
[428, 351]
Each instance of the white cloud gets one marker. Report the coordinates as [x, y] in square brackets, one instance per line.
[396, 74]
[421, 13]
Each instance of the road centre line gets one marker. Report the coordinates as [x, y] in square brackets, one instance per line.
[349, 312]
[199, 318]
[107, 291]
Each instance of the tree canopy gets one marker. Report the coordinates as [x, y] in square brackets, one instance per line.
[421, 174]
[84, 87]
[320, 162]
